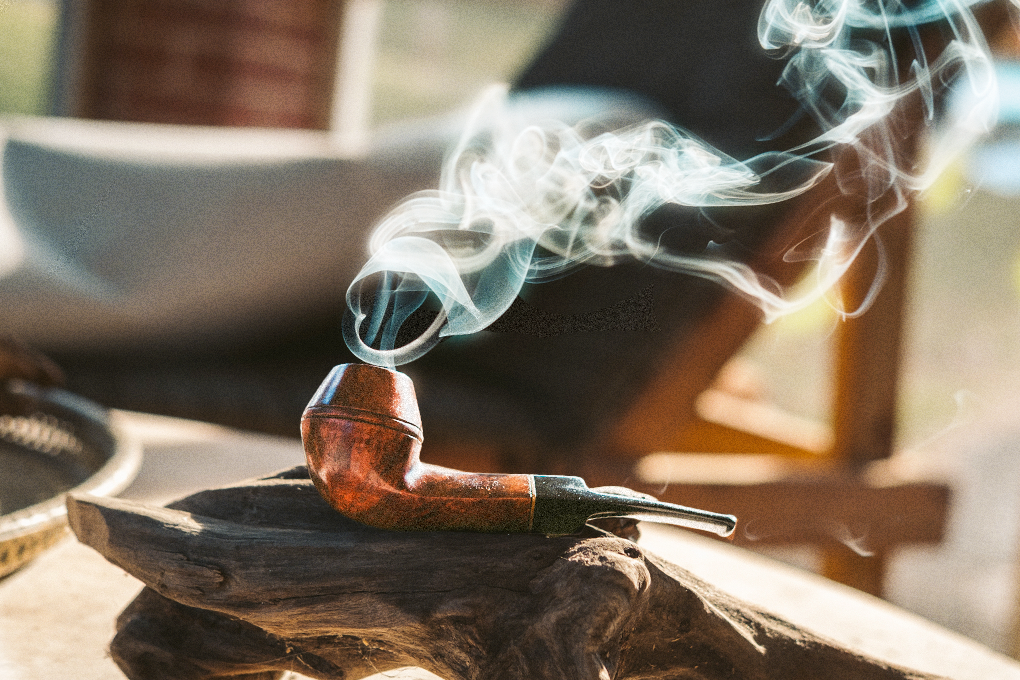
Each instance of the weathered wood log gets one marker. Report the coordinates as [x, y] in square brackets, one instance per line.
[253, 580]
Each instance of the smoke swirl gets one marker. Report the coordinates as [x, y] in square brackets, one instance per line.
[525, 202]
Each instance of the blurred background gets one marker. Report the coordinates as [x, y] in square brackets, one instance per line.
[958, 408]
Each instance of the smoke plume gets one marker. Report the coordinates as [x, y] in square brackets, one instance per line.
[528, 201]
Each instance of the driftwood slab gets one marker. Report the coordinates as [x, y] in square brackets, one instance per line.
[254, 580]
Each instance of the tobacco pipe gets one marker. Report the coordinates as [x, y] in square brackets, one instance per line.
[362, 436]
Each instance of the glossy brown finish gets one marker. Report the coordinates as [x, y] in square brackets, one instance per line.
[362, 436]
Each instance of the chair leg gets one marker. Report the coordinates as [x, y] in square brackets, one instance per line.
[865, 573]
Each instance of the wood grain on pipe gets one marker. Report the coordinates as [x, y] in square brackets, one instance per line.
[362, 435]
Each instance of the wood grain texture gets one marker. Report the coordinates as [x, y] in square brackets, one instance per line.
[253, 580]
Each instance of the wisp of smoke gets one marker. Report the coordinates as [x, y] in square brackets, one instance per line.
[856, 541]
[525, 202]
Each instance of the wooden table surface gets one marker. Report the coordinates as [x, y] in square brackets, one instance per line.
[57, 614]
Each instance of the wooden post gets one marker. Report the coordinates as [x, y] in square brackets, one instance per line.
[869, 353]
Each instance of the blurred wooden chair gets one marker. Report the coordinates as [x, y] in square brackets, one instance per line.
[805, 483]
[828, 487]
